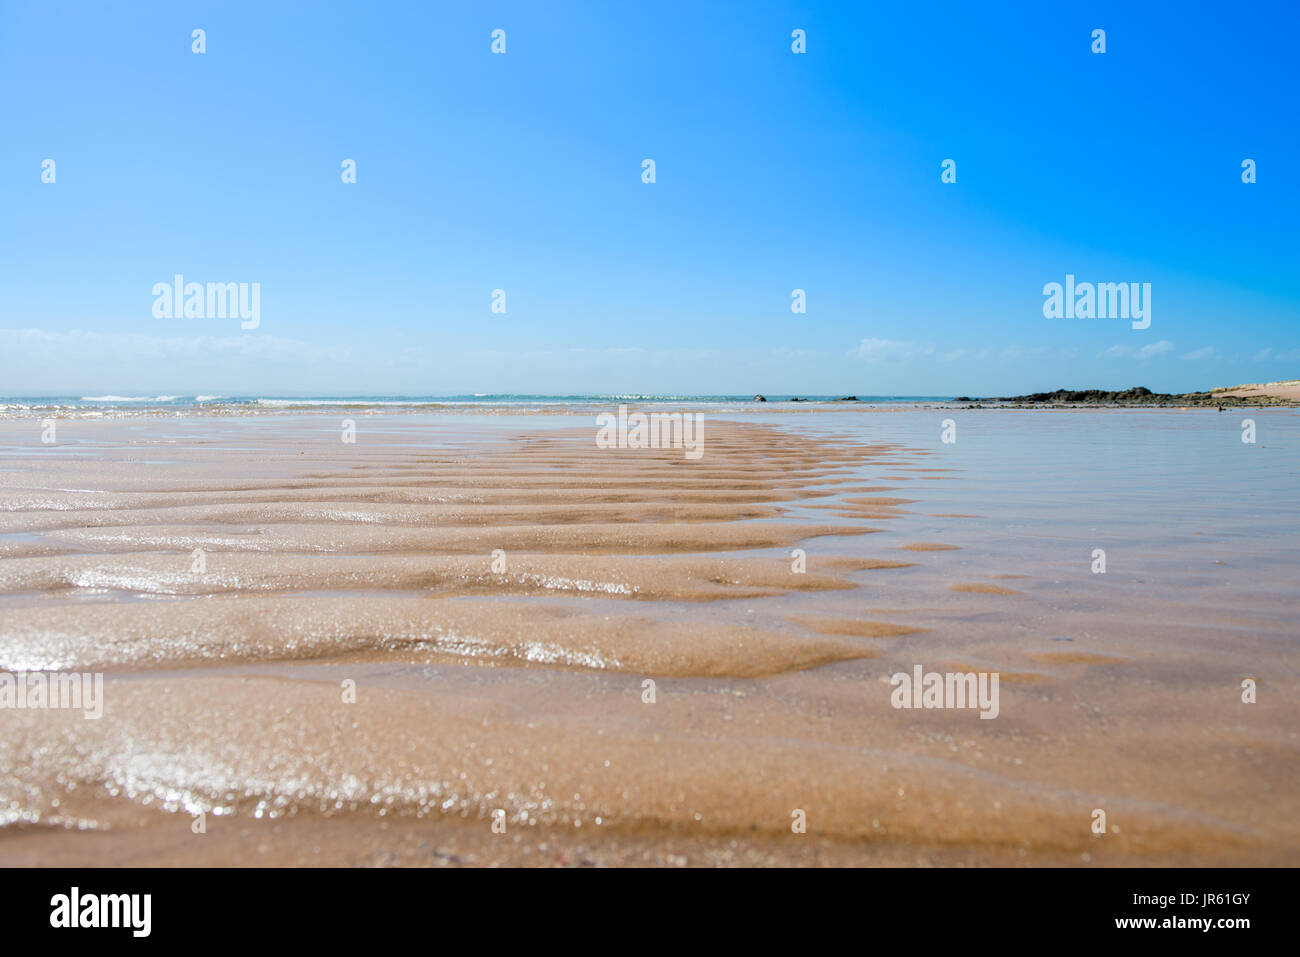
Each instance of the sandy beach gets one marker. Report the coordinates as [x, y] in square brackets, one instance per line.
[1288, 391]
[474, 640]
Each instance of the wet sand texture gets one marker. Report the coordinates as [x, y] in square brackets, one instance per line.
[366, 654]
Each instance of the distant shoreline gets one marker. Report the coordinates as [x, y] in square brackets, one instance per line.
[1266, 395]
[1286, 394]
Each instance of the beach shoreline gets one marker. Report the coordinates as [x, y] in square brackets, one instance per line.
[1285, 394]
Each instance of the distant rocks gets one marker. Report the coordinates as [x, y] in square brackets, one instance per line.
[1136, 396]
[847, 398]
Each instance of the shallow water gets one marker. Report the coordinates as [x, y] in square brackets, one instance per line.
[518, 688]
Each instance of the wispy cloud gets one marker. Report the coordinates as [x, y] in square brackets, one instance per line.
[891, 350]
[783, 352]
[1206, 352]
[77, 344]
[1149, 351]
[1291, 355]
[1036, 352]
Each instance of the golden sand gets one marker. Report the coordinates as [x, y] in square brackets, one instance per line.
[1288, 390]
[982, 589]
[1075, 658]
[369, 654]
[856, 627]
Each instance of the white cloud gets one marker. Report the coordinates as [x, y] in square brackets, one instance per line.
[1207, 352]
[1155, 349]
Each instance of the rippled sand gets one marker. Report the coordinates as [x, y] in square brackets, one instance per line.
[620, 656]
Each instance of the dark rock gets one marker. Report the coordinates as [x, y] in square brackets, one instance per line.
[759, 398]
[1138, 395]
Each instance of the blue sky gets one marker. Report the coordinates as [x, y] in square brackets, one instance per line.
[522, 172]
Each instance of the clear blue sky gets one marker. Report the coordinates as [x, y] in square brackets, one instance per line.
[522, 171]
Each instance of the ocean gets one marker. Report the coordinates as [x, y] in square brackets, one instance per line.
[521, 402]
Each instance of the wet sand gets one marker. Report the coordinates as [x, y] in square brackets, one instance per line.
[496, 600]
